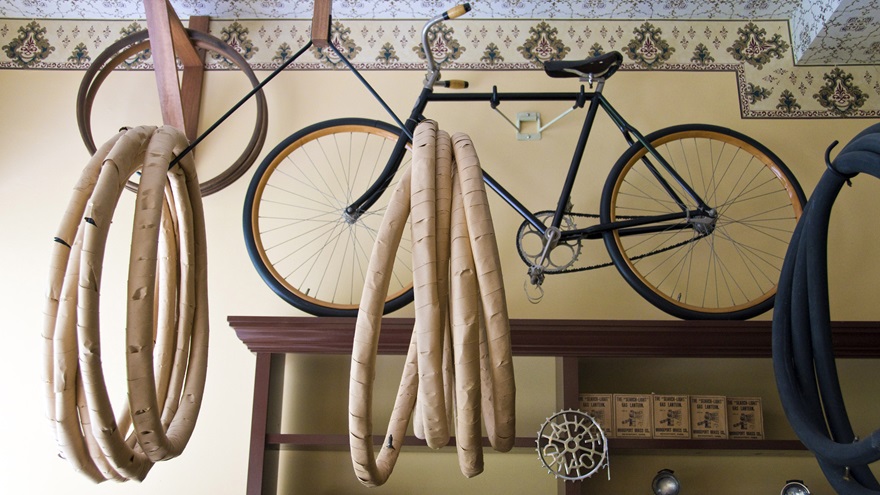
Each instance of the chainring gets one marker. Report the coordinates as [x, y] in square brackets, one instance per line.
[530, 244]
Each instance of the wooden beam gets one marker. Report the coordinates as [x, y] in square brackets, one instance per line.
[321, 23]
[182, 47]
[191, 85]
[180, 100]
[164, 62]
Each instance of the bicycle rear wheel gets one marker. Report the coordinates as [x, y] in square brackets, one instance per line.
[298, 236]
[725, 267]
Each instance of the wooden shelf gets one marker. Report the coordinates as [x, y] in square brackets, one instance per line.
[633, 445]
[294, 441]
[567, 340]
[340, 441]
[559, 338]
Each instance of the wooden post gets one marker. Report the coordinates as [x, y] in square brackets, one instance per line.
[321, 23]
[168, 40]
[259, 418]
[567, 397]
[191, 86]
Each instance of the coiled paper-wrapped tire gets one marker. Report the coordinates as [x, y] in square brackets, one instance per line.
[166, 301]
[480, 329]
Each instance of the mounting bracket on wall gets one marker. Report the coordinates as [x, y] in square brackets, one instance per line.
[528, 117]
[535, 117]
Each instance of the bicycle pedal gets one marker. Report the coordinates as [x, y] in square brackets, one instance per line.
[539, 292]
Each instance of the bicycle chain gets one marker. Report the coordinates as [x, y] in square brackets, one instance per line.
[610, 263]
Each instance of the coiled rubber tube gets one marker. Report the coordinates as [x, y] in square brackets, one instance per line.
[803, 356]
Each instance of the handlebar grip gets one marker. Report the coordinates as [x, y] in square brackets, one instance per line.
[458, 11]
[455, 84]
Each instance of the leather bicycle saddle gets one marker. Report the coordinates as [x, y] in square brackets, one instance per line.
[601, 66]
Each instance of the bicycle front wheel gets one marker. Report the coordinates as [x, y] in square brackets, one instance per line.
[721, 265]
[301, 241]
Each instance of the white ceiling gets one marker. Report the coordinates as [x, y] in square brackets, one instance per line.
[823, 31]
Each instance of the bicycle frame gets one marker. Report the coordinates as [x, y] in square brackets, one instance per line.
[649, 193]
[635, 225]
[631, 226]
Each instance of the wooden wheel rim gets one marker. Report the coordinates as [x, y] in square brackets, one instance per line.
[124, 48]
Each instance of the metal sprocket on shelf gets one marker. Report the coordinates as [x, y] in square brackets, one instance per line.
[572, 445]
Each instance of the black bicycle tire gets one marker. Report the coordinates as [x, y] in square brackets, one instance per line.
[108, 59]
[620, 259]
[803, 358]
[254, 249]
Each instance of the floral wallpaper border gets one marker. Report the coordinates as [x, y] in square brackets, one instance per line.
[770, 85]
[825, 32]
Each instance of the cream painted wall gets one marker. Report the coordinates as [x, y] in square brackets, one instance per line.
[41, 160]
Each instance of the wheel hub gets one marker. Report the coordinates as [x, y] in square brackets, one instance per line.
[350, 216]
[705, 224]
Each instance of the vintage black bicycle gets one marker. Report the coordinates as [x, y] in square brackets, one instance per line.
[697, 218]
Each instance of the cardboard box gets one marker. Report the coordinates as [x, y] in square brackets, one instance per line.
[745, 418]
[672, 417]
[709, 416]
[632, 416]
[601, 408]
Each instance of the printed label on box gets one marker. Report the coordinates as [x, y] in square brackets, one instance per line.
[745, 420]
[708, 416]
[600, 407]
[671, 416]
[632, 416]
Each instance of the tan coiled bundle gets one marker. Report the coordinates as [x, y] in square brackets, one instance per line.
[167, 304]
[456, 277]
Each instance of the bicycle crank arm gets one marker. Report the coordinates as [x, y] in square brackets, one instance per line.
[536, 270]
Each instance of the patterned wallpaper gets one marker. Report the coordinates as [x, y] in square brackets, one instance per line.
[824, 31]
[837, 32]
[398, 9]
[757, 52]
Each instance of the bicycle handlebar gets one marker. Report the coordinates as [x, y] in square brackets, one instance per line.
[458, 11]
[433, 70]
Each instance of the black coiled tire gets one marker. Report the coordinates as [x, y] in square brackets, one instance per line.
[803, 355]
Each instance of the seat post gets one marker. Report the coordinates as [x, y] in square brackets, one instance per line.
[565, 195]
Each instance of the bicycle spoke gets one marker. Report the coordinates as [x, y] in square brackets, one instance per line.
[332, 235]
[291, 222]
[319, 231]
[713, 271]
[298, 195]
[302, 237]
[757, 253]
